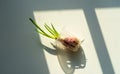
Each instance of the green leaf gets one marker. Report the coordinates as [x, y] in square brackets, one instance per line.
[55, 30]
[49, 29]
[40, 30]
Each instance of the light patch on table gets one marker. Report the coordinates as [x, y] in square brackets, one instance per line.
[109, 20]
[74, 22]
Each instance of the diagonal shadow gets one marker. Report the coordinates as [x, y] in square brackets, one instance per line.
[15, 38]
[98, 41]
[92, 21]
[19, 53]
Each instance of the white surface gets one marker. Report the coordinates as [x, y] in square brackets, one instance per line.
[110, 23]
[74, 21]
[96, 21]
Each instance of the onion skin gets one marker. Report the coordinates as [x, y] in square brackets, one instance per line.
[70, 43]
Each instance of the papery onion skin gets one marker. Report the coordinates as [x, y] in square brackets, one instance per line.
[70, 43]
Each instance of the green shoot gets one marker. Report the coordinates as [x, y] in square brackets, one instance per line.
[49, 29]
[53, 33]
[55, 30]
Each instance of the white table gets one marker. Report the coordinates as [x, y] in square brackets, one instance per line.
[96, 21]
[99, 30]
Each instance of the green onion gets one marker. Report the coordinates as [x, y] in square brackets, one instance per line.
[49, 29]
[53, 32]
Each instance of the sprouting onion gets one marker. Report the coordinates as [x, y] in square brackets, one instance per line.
[68, 42]
[53, 32]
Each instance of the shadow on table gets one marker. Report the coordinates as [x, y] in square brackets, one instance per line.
[69, 61]
[19, 53]
[88, 8]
